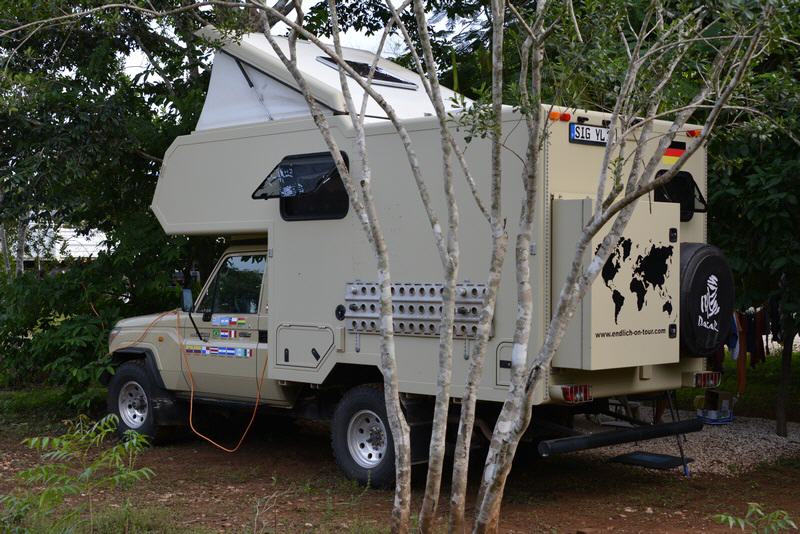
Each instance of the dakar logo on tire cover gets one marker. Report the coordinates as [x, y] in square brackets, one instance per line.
[709, 307]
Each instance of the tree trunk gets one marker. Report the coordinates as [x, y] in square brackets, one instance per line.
[499, 244]
[466, 422]
[450, 260]
[785, 379]
[22, 233]
[4, 246]
[401, 511]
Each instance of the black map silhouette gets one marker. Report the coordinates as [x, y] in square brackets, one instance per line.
[649, 272]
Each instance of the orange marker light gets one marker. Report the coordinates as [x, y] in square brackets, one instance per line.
[555, 115]
[565, 117]
[694, 133]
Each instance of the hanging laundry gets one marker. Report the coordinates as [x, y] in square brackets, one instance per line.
[732, 342]
[760, 329]
[739, 352]
[775, 318]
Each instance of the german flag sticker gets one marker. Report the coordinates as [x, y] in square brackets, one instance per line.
[675, 151]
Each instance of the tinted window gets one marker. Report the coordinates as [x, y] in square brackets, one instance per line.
[236, 287]
[328, 201]
[309, 188]
[683, 190]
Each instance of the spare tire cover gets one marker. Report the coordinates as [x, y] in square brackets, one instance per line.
[707, 299]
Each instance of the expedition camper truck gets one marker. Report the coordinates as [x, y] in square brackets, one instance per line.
[295, 294]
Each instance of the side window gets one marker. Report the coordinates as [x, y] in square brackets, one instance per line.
[236, 287]
[309, 188]
[683, 190]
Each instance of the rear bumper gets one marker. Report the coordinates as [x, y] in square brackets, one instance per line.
[615, 437]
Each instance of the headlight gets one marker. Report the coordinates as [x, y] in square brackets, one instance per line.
[111, 335]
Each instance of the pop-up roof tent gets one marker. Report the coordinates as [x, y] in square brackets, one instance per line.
[249, 83]
[254, 116]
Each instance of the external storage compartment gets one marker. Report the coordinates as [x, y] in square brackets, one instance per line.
[629, 316]
[302, 345]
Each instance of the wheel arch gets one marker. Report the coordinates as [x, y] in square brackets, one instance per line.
[127, 354]
[349, 375]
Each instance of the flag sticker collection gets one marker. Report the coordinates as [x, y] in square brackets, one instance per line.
[229, 321]
[227, 352]
[224, 333]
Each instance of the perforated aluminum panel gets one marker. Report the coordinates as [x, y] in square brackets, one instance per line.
[417, 308]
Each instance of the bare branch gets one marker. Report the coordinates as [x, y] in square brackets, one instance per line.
[574, 20]
[154, 63]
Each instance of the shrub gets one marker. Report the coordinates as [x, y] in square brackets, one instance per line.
[756, 520]
[59, 491]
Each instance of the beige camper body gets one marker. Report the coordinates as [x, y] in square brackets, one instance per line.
[206, 185]
[309, 320]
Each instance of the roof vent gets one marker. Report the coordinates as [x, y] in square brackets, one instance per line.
[381, 76]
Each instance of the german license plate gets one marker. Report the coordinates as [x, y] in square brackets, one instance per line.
[587, 134]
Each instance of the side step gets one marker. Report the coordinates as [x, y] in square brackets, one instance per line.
[615, 437]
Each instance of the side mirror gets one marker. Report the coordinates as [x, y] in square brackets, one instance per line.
[187, 301]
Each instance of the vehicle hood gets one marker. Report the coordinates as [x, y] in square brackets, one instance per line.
[143, 321]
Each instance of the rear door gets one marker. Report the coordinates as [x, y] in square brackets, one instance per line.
[224, 362]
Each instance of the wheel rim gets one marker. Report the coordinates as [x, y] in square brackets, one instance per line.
[366, 438]
[132, 402]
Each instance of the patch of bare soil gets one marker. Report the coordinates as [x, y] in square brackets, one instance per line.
[284, 479]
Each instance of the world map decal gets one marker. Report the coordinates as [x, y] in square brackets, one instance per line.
[636, 275]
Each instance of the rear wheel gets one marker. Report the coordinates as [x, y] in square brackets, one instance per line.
[361, 438]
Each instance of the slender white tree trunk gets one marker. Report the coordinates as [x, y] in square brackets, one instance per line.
[6, 254]
[365, 209]
[450, 262]
[499, 244]
[466, 423]
[22, 234]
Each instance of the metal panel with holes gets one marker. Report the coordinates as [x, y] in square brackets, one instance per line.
[417, 308]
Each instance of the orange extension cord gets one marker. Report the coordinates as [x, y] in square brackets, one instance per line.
[260, 382]
[192, 388]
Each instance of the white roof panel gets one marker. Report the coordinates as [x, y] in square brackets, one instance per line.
[400, 87]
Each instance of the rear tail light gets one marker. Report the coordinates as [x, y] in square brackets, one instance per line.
[708, 379]
[576, 393]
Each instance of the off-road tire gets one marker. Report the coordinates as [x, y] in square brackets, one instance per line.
[357, 405]
[130, 375]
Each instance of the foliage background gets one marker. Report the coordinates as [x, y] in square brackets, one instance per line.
[81, 138]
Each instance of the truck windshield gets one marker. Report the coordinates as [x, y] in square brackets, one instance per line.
[237, 286]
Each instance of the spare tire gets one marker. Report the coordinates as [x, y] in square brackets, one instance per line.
[707, 299]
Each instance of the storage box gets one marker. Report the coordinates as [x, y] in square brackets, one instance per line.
[717, 407]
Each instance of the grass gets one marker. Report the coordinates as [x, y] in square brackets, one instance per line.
[33, 411]
[140, 520]
[760, 391]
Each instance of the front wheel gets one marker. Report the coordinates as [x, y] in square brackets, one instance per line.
[361, 439]
[130, 398]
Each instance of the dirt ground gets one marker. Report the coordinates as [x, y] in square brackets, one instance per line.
[288, 471]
